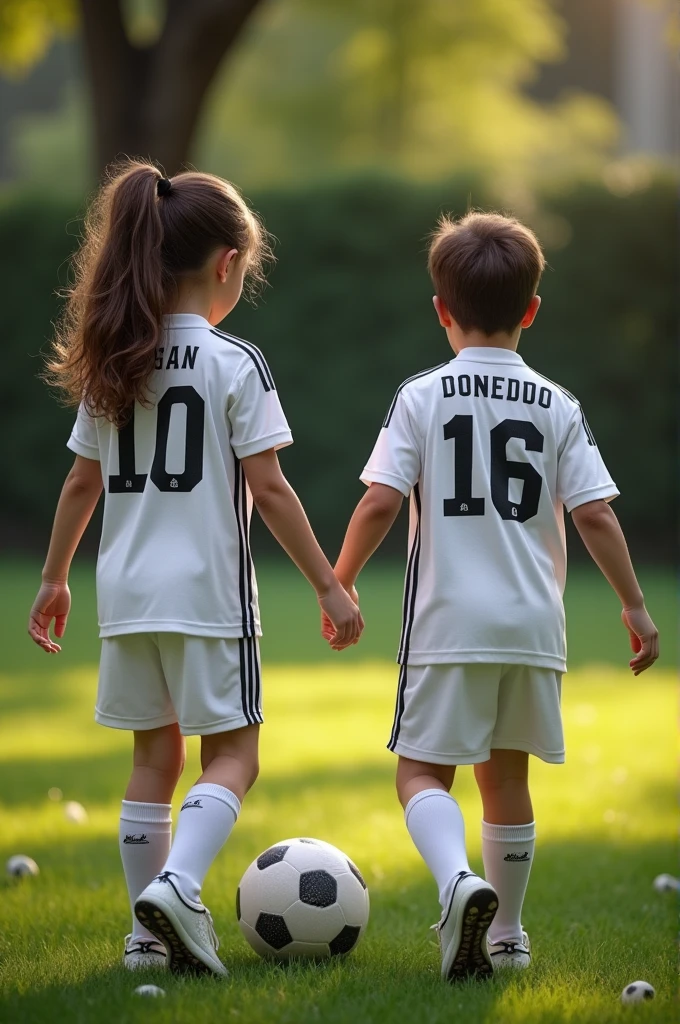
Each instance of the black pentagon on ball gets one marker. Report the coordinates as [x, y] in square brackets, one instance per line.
[238, 903]
[345, 940]
[318, 888]
[271, 856]
[272, 928]
[357, 874]
[630, 989]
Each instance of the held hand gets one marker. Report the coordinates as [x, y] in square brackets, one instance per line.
[341, 620]
[53, 602]
[327, 627]
[644, 638]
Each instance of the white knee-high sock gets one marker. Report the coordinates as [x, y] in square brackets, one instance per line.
[508, 852]
[206, 819]
[144, 841]
[436, 826]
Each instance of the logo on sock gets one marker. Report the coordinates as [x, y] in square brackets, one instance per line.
[191, 803]
[515, 857]
[136, 839]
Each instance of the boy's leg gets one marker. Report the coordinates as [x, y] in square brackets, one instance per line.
[435, 823]
[145, 822]
[508, 837]
[433, 819]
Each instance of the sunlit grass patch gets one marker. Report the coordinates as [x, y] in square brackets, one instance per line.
[606, 823]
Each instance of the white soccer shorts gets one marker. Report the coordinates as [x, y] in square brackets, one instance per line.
[208, 685]
[457, 714]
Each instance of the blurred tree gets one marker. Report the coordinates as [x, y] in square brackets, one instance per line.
[422, 88]
[150, 63]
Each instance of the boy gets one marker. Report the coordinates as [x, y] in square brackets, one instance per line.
[489, 451]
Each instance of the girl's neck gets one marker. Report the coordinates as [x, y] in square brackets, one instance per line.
[192, 297]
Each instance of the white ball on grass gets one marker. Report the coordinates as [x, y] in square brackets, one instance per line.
[20, 866]
[666, 883]
[149, 990]
[638, 992]
[75, 812]
[302, 898]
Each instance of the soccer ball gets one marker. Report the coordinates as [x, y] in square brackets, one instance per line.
[75, 812]
[666, 883]
[19, 866]
[637, 992]
[302, 898]
[149, 990]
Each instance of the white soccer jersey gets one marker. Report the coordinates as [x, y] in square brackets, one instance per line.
[490, 452]
[174, 553]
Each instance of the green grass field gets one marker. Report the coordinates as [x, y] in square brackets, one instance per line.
[606, 821]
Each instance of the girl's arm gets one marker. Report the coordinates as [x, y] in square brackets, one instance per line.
[77, 502]
[280, 508]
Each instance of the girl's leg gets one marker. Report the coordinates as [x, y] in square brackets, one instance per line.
[145, 824]
[508, 836]
[211, 807]
[433, 819]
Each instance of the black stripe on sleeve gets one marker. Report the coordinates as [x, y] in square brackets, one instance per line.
[254, 353]
[423, 373]
[574, 399]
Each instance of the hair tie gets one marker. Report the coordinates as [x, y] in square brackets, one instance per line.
[163, 186]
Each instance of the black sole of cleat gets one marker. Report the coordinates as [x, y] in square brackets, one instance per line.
[180, 959]
[471, 960]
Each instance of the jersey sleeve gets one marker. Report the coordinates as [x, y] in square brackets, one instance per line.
[255, 415]
[83, 440]
[581, 473]
[395, 460]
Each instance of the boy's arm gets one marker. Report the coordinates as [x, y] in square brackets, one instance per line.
[600, 531]
[372, 520]
[280, 508]
[368, 527]
[77, 502]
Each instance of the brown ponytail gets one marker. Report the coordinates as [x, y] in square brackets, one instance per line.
[137, 246]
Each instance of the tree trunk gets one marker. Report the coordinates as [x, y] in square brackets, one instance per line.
[146, 101]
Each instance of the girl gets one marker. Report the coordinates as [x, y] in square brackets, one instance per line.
[179, 423]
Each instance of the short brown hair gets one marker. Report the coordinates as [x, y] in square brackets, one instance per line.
[485, 267]
[139, 242]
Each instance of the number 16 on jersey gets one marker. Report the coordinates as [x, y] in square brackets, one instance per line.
[502, 470]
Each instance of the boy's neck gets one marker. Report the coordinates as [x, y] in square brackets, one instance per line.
[458, 340]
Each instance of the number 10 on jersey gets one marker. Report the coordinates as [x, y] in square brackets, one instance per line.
[129, 481]
[502, 470]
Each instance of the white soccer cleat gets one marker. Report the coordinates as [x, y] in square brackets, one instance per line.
[462, 929]
[142, 953]
[510, 954]
[184, 927]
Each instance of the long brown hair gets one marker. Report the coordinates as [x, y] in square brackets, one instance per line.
[137, 246]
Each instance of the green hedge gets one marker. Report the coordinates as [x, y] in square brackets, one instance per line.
[349, 317]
